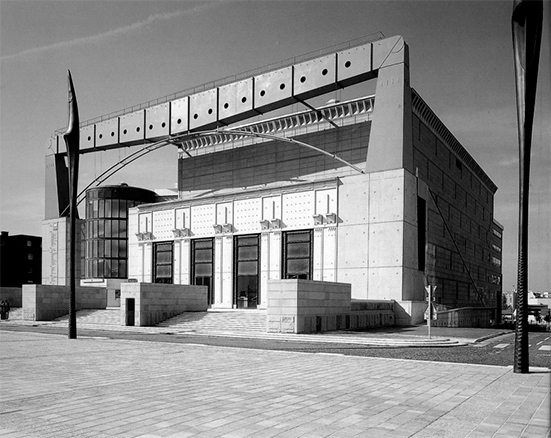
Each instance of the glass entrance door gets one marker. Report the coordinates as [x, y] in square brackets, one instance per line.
[246, 290]
[202, 262]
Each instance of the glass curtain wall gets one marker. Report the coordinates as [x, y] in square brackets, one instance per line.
[106, 252]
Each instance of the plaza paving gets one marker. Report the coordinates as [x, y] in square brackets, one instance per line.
[96, 387]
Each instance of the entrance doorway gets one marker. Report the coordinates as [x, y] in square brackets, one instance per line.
[202, 262]
[130, 311]
[246, 290]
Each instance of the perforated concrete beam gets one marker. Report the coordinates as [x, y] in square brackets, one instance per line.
[157, 120]
[131, 130]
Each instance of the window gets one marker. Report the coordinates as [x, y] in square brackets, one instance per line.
[246, 278]
[297, 254]
[162, 262]
[29, 243]
[202, 265]
[30, 256]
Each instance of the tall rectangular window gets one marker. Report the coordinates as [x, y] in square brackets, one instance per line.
[297, 254]
[202, 265]
[247, 272]
[162, 262]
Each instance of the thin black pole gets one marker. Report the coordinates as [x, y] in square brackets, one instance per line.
[527, 28]
[72, 140]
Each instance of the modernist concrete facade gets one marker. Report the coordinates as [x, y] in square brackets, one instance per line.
[374, 192]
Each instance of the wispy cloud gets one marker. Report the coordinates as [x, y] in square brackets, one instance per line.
[113, 33]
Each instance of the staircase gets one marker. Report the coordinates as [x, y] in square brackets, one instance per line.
[250, 321]
[110, 316]
[243, 321]
[16, 313]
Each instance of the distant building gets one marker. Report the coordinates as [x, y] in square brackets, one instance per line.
[20, 259]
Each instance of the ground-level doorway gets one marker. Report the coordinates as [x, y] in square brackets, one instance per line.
[246, 289]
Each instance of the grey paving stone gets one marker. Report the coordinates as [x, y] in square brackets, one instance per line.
[99, 388]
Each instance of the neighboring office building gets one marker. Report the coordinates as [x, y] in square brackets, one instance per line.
[21, 259]
[407, 206]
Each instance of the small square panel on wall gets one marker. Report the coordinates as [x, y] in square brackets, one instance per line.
[202, 219]
[298, 209]
[163, 224]
[247, 214]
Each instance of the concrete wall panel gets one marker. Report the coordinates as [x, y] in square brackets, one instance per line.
[179, 115]
[236, 101]
[157, 120]
[87, 137]
[132, 127]
[274, 89]
[107, 132]
[354, 65]
[314, 77]
[203, 109]
[386, 197]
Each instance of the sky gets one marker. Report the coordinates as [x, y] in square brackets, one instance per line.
[124, 52]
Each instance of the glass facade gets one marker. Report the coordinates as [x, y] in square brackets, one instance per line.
[107, 228]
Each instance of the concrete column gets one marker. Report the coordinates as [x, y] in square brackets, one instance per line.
[390, 140]
[264, 267]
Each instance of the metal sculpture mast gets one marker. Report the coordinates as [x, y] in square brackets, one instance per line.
[527, 29]
[72, 140]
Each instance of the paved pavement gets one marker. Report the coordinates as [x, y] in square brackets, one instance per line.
[96, 387]
[415, 336]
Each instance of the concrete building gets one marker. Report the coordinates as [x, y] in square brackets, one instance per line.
[374, 191]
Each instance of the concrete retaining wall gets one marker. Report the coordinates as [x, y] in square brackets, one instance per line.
[305, 306]
[464, 317]
[155, 303]
[14, 295]
[46, 302]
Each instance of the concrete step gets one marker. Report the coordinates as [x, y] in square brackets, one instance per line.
[16, 313]
[213, 320]
[110, 316]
